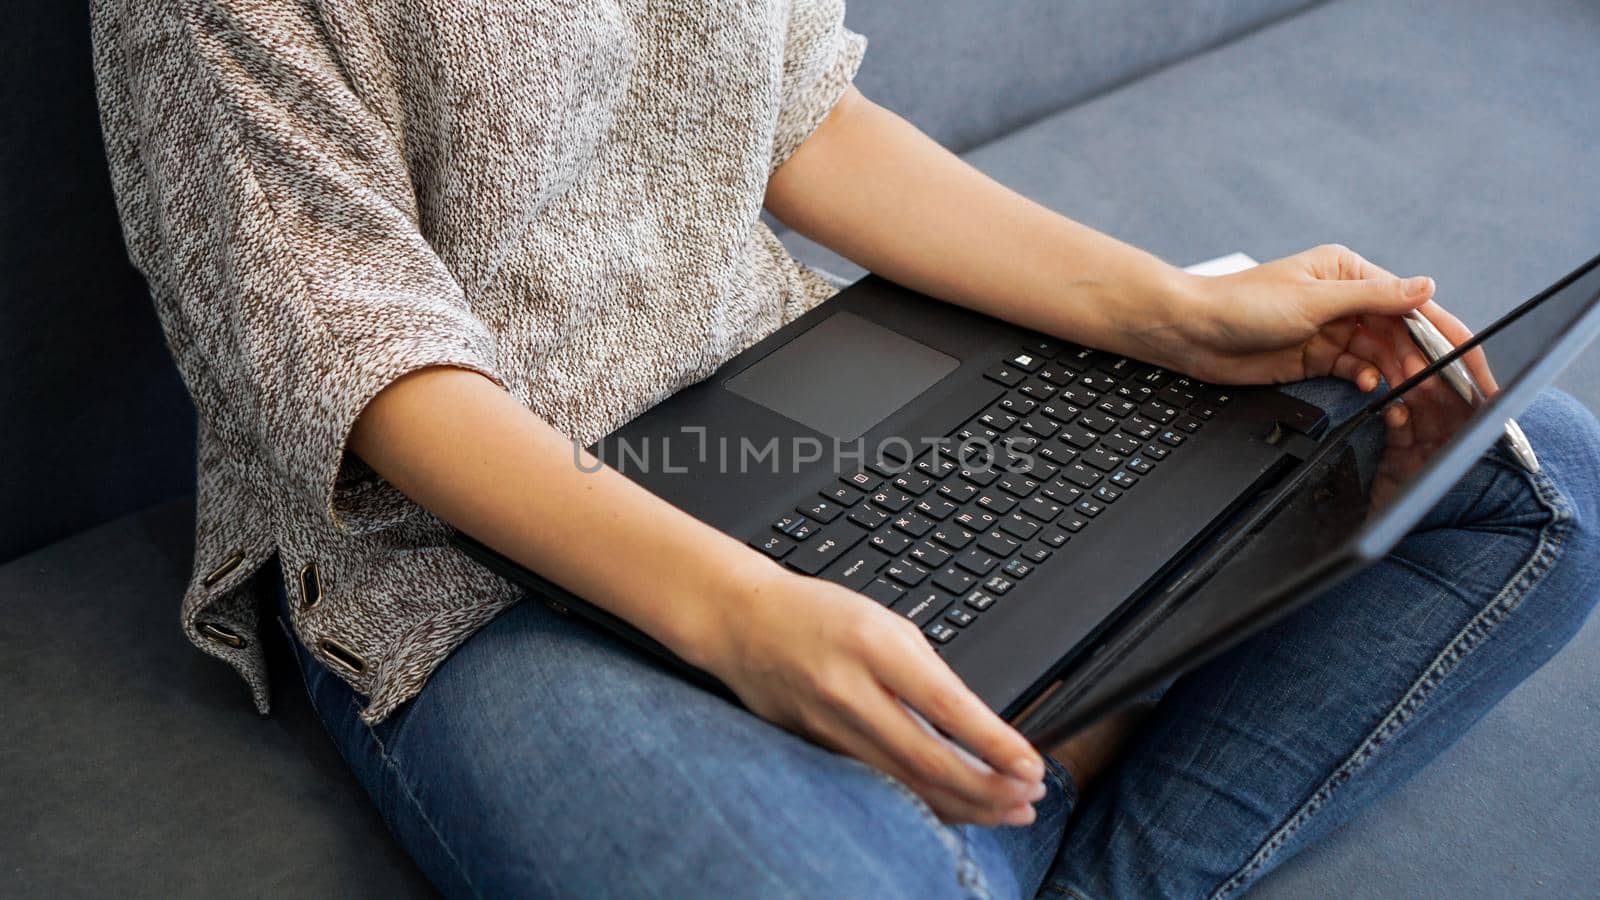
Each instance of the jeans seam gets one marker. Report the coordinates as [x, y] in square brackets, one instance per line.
[388, 763]
[1472, 635]
[968, 874]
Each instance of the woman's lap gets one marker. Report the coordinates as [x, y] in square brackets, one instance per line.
[544, 756]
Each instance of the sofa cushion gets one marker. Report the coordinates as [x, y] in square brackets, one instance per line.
[966, 72]
[97, 422]
[135, 765]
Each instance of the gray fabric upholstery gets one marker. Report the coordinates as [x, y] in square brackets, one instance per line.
[138, 793]
[106, 428]
[967, 72]
[1454, 141]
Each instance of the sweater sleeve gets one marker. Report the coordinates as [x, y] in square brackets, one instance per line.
[820, 59]
[275, 220]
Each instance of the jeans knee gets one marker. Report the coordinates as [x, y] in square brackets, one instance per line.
[1566, 438]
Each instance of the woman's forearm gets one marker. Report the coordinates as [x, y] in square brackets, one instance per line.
[870, 186]
[471, 454]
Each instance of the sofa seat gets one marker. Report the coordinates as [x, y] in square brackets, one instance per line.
[135, 766]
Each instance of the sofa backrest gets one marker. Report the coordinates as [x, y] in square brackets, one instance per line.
[966, 71]
[94, 421]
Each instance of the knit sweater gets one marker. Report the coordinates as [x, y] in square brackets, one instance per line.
[562, 195]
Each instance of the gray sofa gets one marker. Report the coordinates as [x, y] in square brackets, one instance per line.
[1455, 139]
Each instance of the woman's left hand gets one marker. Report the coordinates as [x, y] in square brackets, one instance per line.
[1325, 311]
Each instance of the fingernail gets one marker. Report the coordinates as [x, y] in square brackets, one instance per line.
[1027, 768]
[1419, 286]
[1022, 815]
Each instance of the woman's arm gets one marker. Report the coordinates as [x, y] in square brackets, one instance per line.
[804, 653]
[875, 189]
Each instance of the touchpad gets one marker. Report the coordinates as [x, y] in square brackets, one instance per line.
[843, 376]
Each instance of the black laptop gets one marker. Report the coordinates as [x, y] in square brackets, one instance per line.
[1068, 527]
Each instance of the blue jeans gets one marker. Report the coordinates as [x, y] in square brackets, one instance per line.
[543, 758]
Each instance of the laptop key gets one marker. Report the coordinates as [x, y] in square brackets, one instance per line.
[774, 545]
[1005, 374]
[1103, 459]
[1017, 485]
[1062, 492]
[1017, 406]
[914, 483]
[1189, 424]
[974, 519]
[868, 517]
[1117, 408]
[1061, 411]
[998, 419]
[1055, 537]
[1090, 508]
[1074, 522]
[1124, 444]
[856, 569]
[884, 591]
[1140, 465]
[1159, 412]
[843, 494]
[998, 543]
[892, 499]
[936, 508]
[976, 561]
[828, 545]
[862, 481]
[1099, 382]
[823, 511]
[1156, 452]
[996, 502]
[1081, 475]
[958, 491]
[921, 606]
[1019, 526]
[1036, 555]
[1037, 389]
[1017, 569]
[788, 522]
[1079, 395]
[1105, 493]
[928, 554]
[1171, 438]
[953, 537]
[803, 530]
[1098, 422]
[1141, 428]
[1124, 479]
[960, 616]
[998, 585]
[940, 632]
[914, 524]
[1042, 508]
[954, 580]
[979, 600]
[1027, 361]
[1079, 436]
[889, 541]
[1041, 426]
[907, 573]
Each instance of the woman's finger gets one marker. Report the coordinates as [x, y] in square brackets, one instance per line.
[876, 715]
[843, 737]
[929, 686]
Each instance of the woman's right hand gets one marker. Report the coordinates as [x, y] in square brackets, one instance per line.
[833, 666]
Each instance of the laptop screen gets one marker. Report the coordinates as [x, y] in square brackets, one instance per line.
[1368, 484]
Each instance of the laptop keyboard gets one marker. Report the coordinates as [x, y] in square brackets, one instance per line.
[943, 539]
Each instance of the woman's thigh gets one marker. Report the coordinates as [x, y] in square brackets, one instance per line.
[544, 758]
[1283, 738]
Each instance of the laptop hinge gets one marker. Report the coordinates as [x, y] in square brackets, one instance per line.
[1292, 442]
